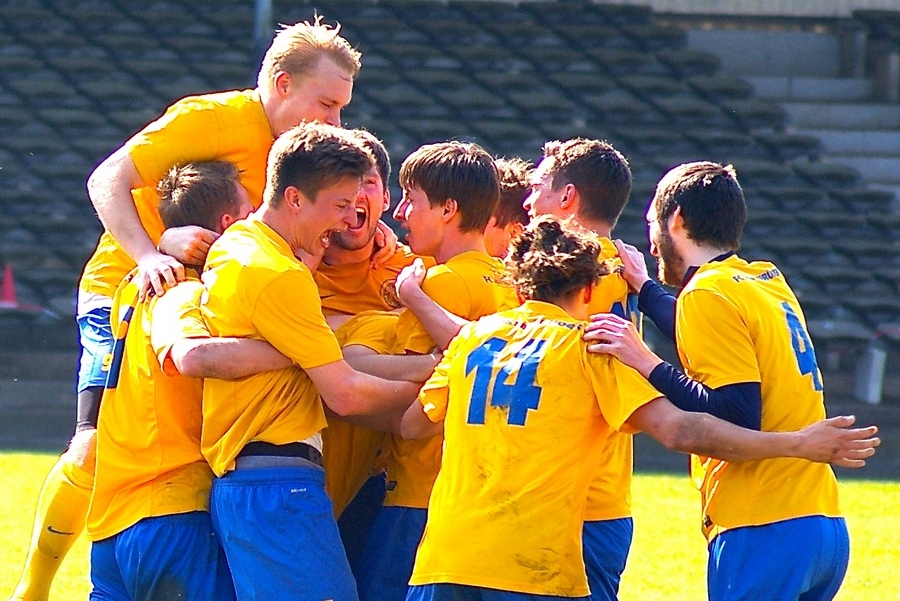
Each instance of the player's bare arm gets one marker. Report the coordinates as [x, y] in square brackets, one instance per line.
[349, 393]
[109, 188]
[827, 441]
[225, 358]
[407, 368]
[441, 324]
[415, 424]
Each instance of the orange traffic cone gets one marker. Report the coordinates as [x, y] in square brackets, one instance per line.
[8, 296]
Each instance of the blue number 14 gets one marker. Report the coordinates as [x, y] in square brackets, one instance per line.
[518, 396]
[803, 348]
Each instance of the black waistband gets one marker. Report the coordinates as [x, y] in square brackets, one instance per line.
[294, 449]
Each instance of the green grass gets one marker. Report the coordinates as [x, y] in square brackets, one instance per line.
[668, 558]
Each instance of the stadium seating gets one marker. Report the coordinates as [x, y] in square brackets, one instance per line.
[77, 77]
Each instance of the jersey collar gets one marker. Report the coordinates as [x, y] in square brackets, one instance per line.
[693, 268]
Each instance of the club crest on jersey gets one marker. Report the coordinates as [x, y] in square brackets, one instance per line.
[389, 294]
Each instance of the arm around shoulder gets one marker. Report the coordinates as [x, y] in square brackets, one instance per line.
[827, 441]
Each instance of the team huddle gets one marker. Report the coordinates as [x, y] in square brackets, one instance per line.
[278, 399]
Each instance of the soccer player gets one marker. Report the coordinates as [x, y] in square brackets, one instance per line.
[307, 75]
[450, 191]
[774, 526]
[261, 434]
[149, 513]
[525, 411]
[351, 282]
[587, 182]
[510, 217]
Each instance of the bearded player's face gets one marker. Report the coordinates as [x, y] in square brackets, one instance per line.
[671, 264]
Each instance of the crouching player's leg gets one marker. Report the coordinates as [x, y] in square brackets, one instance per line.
[803, 558]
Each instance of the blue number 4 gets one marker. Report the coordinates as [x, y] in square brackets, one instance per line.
[518, 396]
[803, 348]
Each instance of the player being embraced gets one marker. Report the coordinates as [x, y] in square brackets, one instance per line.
[307, 75]
[149, 513]
[262, 434]
[350, 281]
[450, 191]
[525, 411]
[510, 216]
[587, 182]
[774, 526]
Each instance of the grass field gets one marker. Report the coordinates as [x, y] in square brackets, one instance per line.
[668, 558]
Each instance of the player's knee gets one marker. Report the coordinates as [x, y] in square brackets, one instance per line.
[83, 448]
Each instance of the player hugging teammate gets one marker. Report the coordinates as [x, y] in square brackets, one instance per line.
[260, 418]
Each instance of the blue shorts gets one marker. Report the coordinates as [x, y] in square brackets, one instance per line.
[461, 592]
[278, 531]
[96, 336]
[606, 544]
[802, 559]
[165, 557]
[357, 519]
[390, 553]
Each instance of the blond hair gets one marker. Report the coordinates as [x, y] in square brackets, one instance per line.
[297, 48]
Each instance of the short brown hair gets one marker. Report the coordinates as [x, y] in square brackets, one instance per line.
[551, 260]
[313, 156]
[462, 171]
[198, 194]
[711, 201]
[597, 170]
[297, 49]
[515, 185]
[379, 153]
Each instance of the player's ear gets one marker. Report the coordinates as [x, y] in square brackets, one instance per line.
[451, 208]
[588, 293]
[225, 222]
[570, 198]
[676, 221]
[387, 200]
[282, 84]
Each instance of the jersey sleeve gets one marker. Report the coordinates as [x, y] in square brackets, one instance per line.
[620, 390]
[288, 315]
[447, 289]
[374, 330]
[713, 340]
[176, 316]
[435, 393]
[185, 133]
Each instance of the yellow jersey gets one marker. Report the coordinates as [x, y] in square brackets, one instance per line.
[356, 287]
[256, 288]
[228, 126]
[148, 437]
[349, 451]
[466, 285]
[609, 497]
[740, 322]
[526, 413]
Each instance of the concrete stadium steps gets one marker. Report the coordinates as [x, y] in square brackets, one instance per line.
[811, 89]
[843, 115]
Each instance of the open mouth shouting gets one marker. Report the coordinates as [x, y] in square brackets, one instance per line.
[361, 220]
